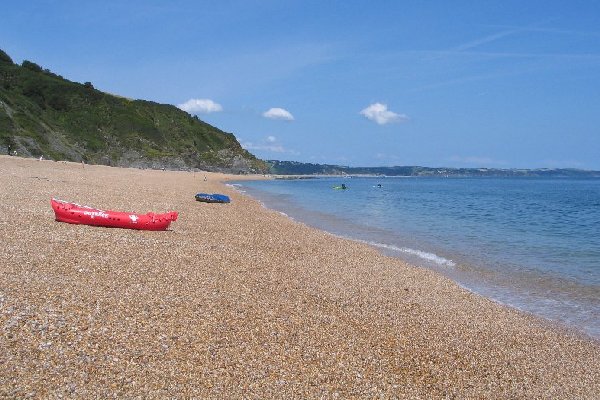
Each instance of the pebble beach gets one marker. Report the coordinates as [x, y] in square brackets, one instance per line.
[237, 301]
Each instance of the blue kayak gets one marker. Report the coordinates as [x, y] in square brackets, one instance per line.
[212, 198]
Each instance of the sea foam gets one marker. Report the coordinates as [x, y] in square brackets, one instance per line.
[419, 253]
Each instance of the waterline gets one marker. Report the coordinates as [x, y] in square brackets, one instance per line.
[530, 244]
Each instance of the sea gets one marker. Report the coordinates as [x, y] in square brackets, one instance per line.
[529, 243]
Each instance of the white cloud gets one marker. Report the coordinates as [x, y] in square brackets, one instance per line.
[200, 106]
[275, 148]
[278, 113]
[268, 144]
[379, 113]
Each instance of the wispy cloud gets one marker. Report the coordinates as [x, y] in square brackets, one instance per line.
[486, 39]
[474, 51]
[531, 55]
[557, 163]
[549, 30]
[379, 113]
[253, 67]
[268, 147]
[513, 30]
[470, 78]
[507, 31]
[269, 144]
[472, 44]
[278, 113]
[479, 161]
[546, 61]
[200, 106]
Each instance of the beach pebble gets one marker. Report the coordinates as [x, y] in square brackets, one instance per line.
[237, 301]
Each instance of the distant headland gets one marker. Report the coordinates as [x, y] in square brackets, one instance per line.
[299, 168]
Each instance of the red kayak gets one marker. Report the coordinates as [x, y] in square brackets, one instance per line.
[76, 214]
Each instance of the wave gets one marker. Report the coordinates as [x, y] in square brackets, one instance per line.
[430, 257]
[419, 253]
[236, 186]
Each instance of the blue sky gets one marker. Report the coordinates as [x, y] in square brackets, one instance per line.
[361, 83]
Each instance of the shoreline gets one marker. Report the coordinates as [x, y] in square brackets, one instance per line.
[474, 277]
[239, 301]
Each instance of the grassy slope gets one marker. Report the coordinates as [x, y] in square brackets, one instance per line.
[43, 113]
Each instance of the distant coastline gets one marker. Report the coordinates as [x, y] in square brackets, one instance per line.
[300, 169]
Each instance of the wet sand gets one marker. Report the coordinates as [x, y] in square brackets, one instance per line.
[237, 301]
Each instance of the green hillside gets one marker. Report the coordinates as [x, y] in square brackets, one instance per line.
[42, 113]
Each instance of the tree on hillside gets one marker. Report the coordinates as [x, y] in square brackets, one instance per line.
[5, 58]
